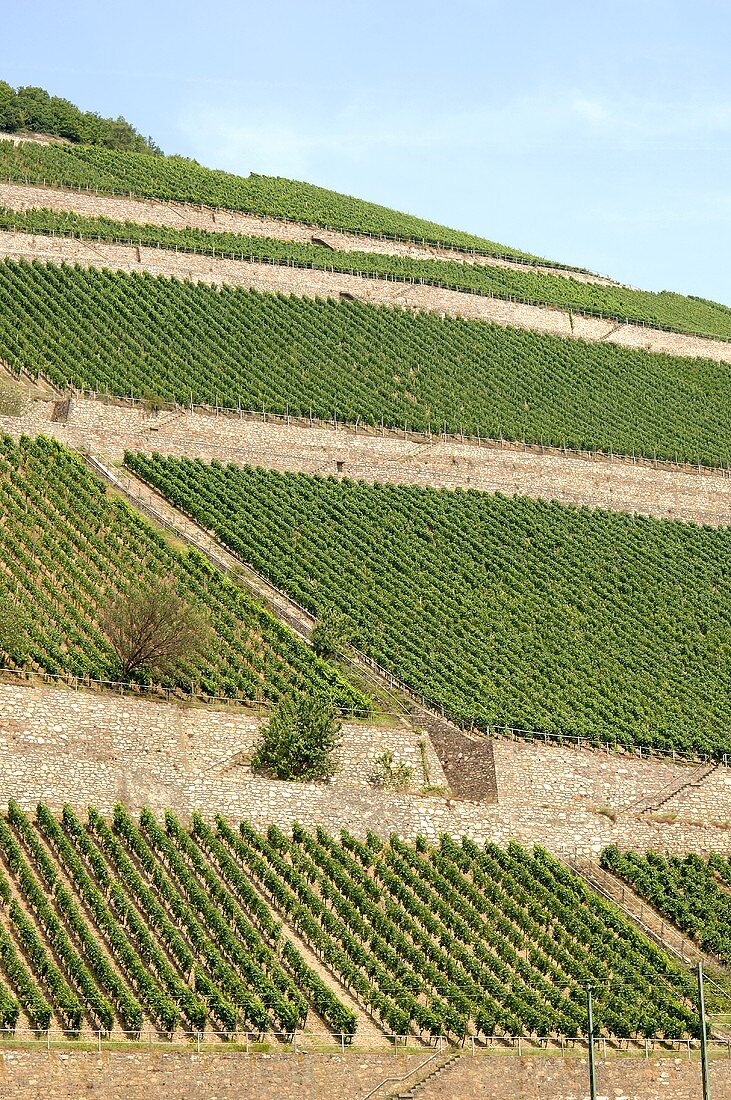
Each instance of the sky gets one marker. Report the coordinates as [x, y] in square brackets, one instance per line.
[597, 134]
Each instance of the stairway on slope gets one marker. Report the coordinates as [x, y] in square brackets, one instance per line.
[682, 785]
[435, 1072]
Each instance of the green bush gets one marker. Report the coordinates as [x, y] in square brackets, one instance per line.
[299, 740]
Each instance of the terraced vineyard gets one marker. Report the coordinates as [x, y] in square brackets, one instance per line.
[116, 923]
[504, 611]
[66, 547]
[139, 334]
[664, 310]
[182, 180]
[112, 925]
[690, 892]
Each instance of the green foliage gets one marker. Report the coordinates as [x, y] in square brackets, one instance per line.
[179, 179]
[33, 110]
[68, 552]
[450, 939]
[390, 773]
[455, 938]
[14, 631]
[665, 309]
[690, 892]
[506, 611]
[228, 346]
[12, 399]
[329, 632]
[299, 740]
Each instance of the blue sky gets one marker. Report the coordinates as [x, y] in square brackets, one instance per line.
[596, 134]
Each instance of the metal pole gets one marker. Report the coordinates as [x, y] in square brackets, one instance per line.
[590, 1031]
[704, 1038]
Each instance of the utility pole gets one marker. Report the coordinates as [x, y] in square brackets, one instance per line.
[590, 1030]
[704, 1037]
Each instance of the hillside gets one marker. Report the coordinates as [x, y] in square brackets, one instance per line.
[183, 180]
[448, 940]
[66, 548]
[190, 342]
[673, 312]
[30, 110]
[504, 611]
[530, 682]
[691, 892]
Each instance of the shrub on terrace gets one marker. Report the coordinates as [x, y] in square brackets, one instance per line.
[299, 740]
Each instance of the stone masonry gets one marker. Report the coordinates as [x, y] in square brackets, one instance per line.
[58, 745]
[137, 1075]
[276, 278]
[109, 430]
[179, 215]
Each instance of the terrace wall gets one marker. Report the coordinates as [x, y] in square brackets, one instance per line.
[117, 1075]
[109, 430]
[324, 284]
[122, 208]
[58, 745]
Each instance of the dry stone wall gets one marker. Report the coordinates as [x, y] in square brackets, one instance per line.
[121, 1075]
[58, 745]
[323, 284]
[131, 746]
[536, 1078]
[109, 430]
[19, 196]
[127, 1075]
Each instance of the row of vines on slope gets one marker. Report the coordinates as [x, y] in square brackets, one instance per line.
[140, 334]
[458, 939]
[141, 927]
[125, 921]
[505, 611]
[66, 548]
[181, 180]
[664, 310]
[691, 892]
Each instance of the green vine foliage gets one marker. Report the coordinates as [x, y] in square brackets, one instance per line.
[67, 549]
[671, 311]
[185, 181]
[228, 346]
[691, 892]
[504, 611]
[456, 939]
[120, 920]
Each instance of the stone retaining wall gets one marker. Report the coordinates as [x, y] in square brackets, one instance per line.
[109, 430]
[58, 745]
[120, 1075]
[179, 215]
[323, 284]
[144, 751]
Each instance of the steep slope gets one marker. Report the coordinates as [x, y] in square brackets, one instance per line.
[184, 180]
[448, 940]
[504, 611]
[673, 312]
[136, 334]
[693, 893]
[66, 548]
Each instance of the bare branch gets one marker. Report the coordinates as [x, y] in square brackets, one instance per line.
[152, 628]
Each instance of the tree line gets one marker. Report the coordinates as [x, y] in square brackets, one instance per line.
[33, 110]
